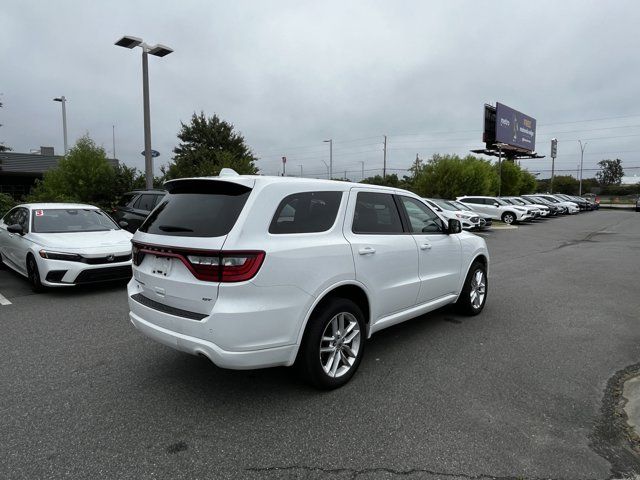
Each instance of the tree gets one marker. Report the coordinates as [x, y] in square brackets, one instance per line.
[83, 175]
[449, 176]
[6, 203]
[3, 147]
[388, 181]
[611, 172]
[207, 145]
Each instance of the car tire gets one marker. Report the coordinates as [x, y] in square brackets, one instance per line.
[474, 292]
[333, 344]
[508, 218]
[34, 275]
[2, 266]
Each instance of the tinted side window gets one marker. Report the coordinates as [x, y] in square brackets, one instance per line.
[126, 200]
[146, 202]
[421, 218]
[22, 218]
[376, 213]
[158, 199]
[473, 200]
[306, 212]
[9, 218]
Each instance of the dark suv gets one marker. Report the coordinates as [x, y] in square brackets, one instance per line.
[134, 207]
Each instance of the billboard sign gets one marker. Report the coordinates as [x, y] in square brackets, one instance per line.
[515, 128]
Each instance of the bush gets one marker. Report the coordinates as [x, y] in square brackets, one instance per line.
[6, 203]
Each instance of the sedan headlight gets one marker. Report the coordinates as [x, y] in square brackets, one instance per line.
[464, 216]
[69, 257]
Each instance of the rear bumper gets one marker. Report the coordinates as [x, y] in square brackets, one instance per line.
[269, 357]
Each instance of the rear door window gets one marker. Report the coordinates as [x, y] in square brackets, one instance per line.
[146, 202]
[198, 209]
[126, 200]
[306, 212]
[376, 213]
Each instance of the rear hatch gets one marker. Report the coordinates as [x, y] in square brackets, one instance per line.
[176, 251]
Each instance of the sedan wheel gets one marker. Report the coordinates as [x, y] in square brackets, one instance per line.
[34, 275]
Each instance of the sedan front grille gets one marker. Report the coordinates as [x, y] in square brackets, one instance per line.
[105, 274]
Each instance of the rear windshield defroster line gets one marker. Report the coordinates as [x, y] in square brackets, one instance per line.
[197, 208]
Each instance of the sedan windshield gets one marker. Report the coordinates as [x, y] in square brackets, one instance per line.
[63, 220]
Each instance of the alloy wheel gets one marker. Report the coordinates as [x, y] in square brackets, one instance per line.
[340, 344]
[478, 289]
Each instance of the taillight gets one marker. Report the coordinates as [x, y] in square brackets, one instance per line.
[209, 266]
[240, 266]
[226, 266]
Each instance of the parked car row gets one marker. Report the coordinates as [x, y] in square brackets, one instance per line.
[513, 209]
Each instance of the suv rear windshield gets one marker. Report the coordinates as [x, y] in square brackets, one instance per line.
[60, 220]
[198, 209]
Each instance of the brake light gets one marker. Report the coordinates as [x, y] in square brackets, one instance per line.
[209, 266]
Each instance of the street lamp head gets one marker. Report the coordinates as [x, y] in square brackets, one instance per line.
[160, 50]
[57, 99]
[129, 42]
[327, 141]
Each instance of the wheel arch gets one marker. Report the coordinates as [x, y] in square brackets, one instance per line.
[481, 257]
[350, 290]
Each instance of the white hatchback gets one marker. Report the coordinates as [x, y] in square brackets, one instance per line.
[63, 244]
[253, 271]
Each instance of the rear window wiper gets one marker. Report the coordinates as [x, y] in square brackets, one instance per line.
[173, 228]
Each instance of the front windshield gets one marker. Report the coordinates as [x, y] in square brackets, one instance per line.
[460, 206]
[525, 201]
[67, 220]
[444, 204]
[501, 202]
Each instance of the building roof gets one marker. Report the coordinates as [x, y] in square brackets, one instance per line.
[31, 163]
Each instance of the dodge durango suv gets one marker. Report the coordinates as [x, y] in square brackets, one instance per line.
[256, 271]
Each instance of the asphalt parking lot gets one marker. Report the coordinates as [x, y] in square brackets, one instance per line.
[516, 392]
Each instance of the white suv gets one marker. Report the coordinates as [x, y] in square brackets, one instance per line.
[498, 209]
[253, 271]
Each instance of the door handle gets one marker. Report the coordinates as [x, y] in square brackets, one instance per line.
[425, 246]
[367, 251]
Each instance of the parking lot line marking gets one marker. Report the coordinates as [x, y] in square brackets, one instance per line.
[3, 300]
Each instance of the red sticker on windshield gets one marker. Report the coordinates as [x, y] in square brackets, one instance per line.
[39, 213]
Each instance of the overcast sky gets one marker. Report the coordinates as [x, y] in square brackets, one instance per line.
[290, 74]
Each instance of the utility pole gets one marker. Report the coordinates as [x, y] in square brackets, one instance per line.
[362, 163]
[345, 174]
[284, 166]
[330, 142]
[582, 147]
[500, 145]
[554, 152]
[384, 161]
[300, 170]
[113, 129]
[415, 168]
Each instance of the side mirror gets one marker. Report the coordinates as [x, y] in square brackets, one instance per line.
[123, 224]
[15, 228]
[454, 226]
[496, 204]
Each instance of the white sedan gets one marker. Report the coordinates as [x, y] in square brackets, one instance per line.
[63, 244]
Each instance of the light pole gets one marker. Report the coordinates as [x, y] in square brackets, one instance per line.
[500, 145]
[582, 147]
[300, 169]
[63, 101]
[330, 142]
[362, 163]
[159, 51]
